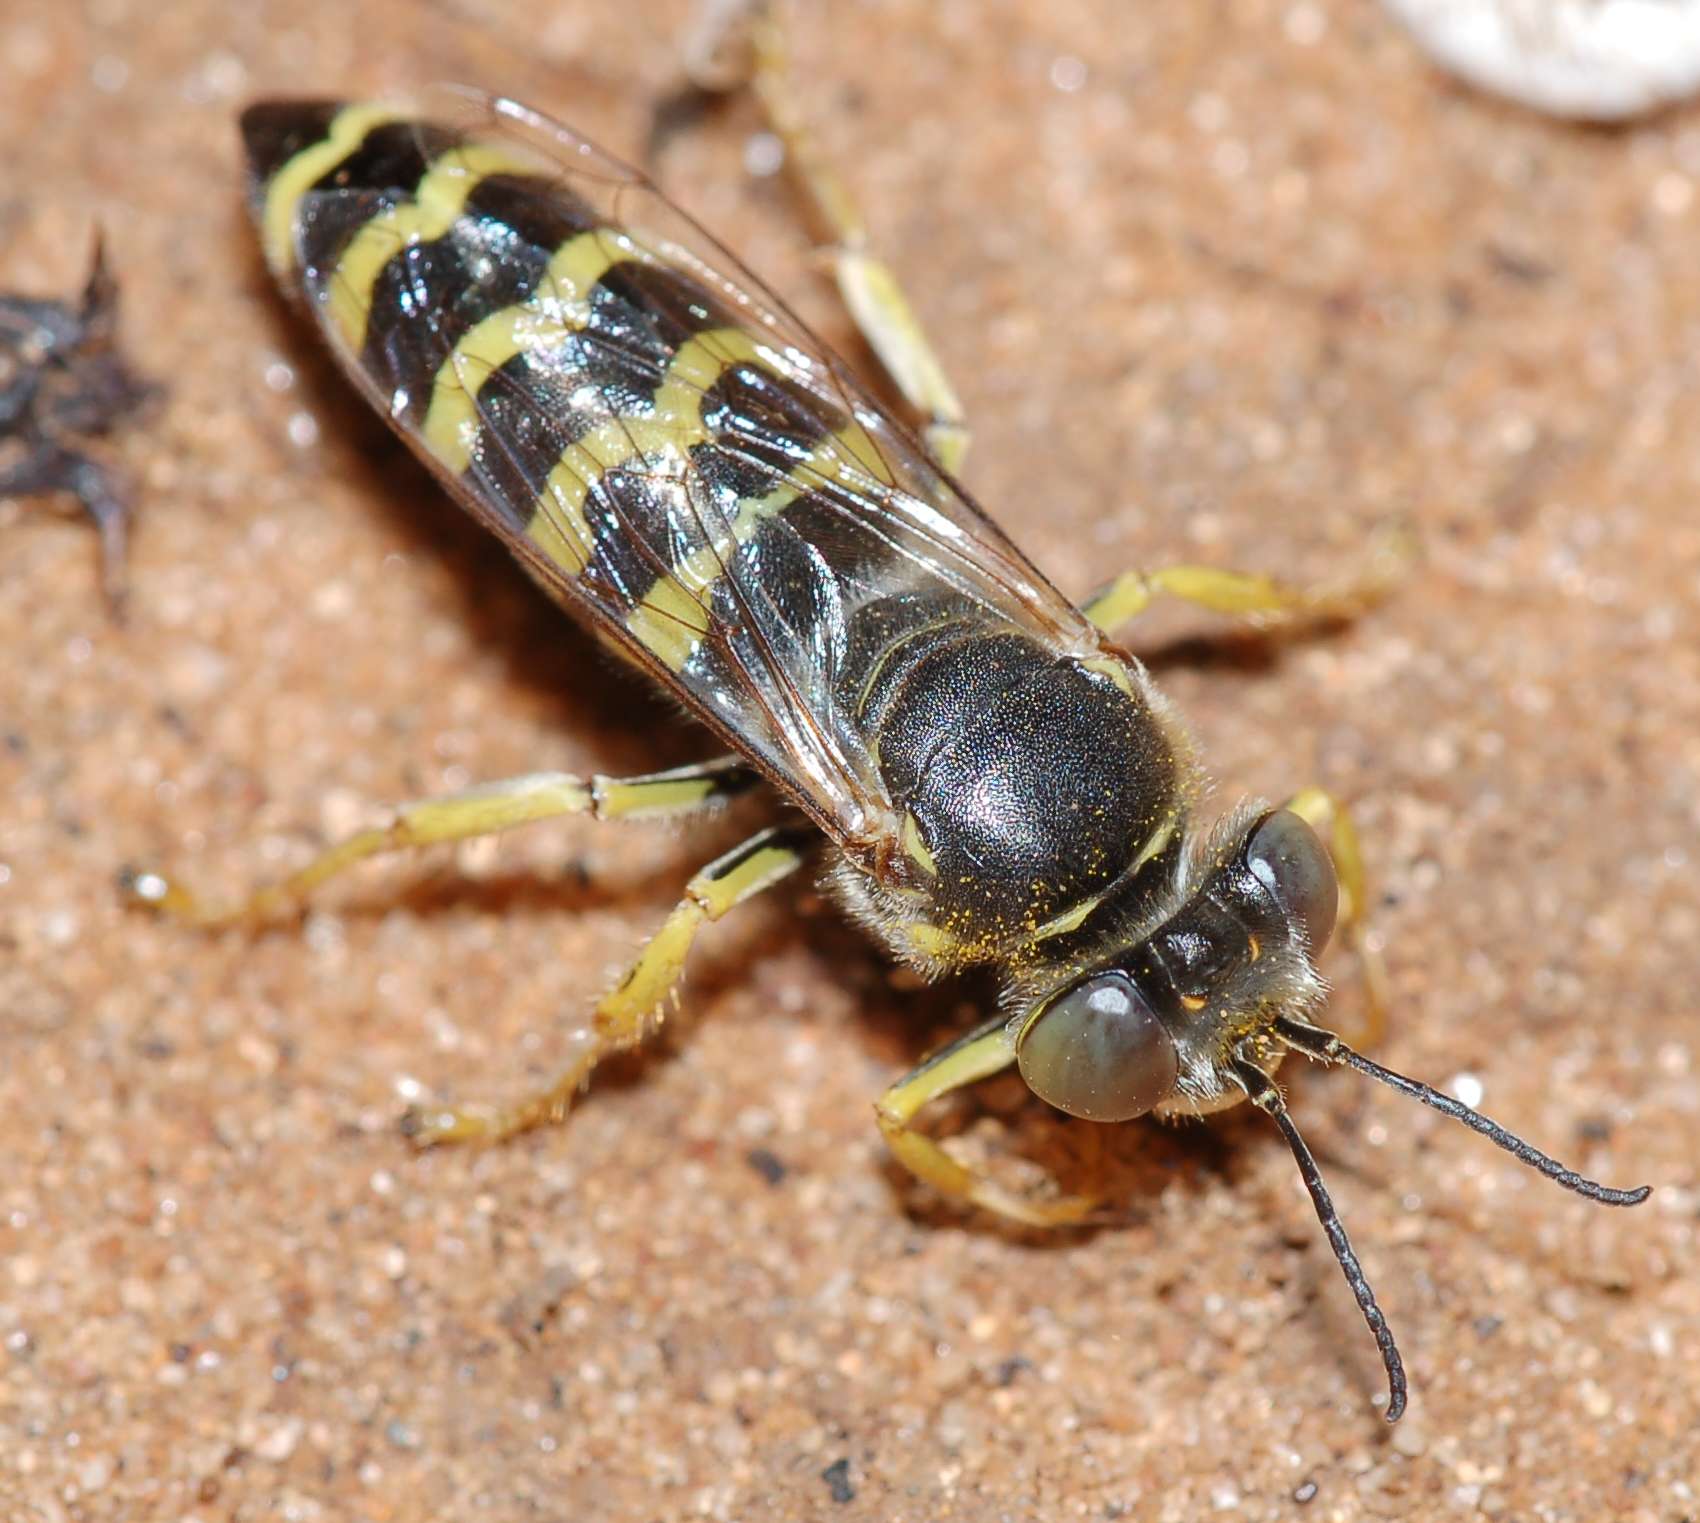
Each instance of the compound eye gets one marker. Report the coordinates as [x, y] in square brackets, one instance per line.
[1287, 858]
[1098, 1051]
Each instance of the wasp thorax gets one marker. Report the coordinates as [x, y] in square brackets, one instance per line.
[1098, 1051]
[1285, 855]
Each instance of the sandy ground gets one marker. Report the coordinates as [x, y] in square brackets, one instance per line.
[1236, 282]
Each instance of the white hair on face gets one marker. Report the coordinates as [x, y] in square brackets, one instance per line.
[1593, 60]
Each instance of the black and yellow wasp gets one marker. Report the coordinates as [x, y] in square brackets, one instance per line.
[682, 466]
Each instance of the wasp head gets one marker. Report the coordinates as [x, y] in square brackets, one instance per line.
[1157, 1025]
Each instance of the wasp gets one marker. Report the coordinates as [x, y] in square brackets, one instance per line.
[991, 778]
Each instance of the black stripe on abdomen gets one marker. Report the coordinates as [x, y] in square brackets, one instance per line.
[432, 294]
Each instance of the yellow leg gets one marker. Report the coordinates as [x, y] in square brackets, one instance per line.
[866, 283]
[479, 811]
[982, 1053]
[1260, 601]
[1330, 818]
[633, 1008]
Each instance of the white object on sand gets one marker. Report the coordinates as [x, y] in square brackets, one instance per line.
[1596, 60]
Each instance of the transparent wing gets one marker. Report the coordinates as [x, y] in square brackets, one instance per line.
[664, 445]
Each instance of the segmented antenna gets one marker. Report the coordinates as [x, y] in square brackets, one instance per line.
[1261, 1090]
[1315, 1042]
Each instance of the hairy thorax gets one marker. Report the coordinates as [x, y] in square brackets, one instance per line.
[1027, 785]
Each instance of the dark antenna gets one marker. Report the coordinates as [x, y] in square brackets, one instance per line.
[1315, 1042]
[1261, 1090]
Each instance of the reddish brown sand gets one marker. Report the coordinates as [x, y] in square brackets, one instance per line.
[1231, 282]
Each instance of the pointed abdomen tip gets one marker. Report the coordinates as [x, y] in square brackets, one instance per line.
[275, 131]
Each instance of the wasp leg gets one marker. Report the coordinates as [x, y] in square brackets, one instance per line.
[866, 283]
[479, 811]
[1260, 601]
[632, 1010]
[983, 1052]
[1330, 818]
